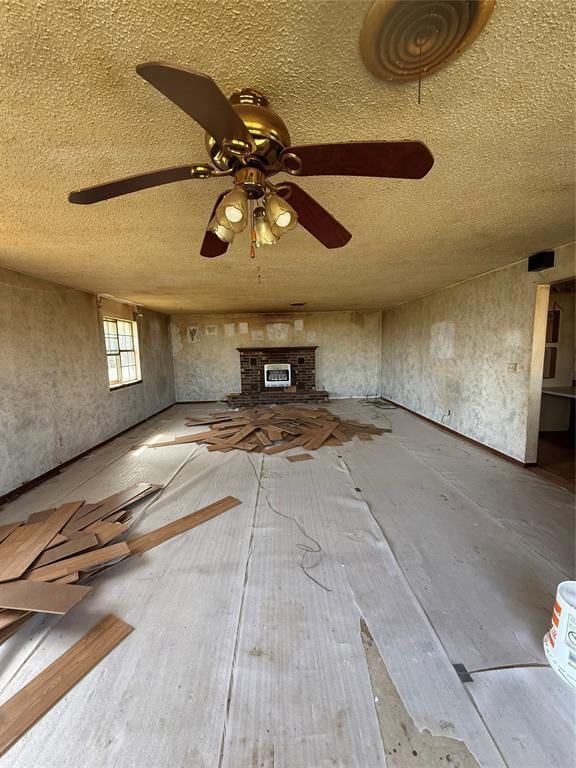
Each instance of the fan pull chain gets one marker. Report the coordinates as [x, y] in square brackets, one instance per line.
[252, 233]
[420, 75]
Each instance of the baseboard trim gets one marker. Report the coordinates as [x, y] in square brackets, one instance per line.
[27, 486]
[471, 440]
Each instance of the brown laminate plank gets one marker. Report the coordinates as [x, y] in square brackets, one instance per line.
[56, 541]
[9, 616]
[39, 517]
[166, 532]
[107, 532]
[72, 547]
[111, 505]
[23, 545]
[15, 625]
[27, 706]
[77, 563]
[6, 530]
[241, 434]
[319, 437]
[197, 438]
[300, 457]
[40, 597]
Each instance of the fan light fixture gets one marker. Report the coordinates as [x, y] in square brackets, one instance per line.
[281, 216]
[262, 229]
[232, 212]
[222, 232]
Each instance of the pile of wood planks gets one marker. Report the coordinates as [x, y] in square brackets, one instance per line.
[45, 559]
[274, 429]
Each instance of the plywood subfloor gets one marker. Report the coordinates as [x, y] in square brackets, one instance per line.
[247, 648]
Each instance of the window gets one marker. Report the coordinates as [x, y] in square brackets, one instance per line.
[121, 337]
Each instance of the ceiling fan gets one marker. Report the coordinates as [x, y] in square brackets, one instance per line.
[247, 140]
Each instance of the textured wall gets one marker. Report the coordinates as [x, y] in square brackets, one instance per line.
[470, 356]
[54, 396]
[208, 367]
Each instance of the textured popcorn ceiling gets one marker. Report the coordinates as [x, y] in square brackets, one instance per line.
[499, 121]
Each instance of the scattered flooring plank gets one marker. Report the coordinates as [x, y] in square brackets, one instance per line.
[300, 457]
[107, 532]
[72, 547]
[6, 530]
[273, 429]
[9, 616]
[57, 540]
[78, 563]
[40, 596]
[111, 505]
[23, 545]
[27, 706]
[15, 625]
[160, 535]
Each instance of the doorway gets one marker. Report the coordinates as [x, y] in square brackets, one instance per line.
[556, 438]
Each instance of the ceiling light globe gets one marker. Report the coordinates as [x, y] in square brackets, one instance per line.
[284, 219]
[233, 210]
[280, 214]
[233, 214]
[222, 232]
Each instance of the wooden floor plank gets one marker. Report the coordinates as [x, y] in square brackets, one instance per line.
[23, 545]
[72, 547]
[6, 530]
[166, 532]
[300, 457]
[27, 706]
[111, 505]
[9, 616]
[107, 532]
[77, 563]
[40, 596]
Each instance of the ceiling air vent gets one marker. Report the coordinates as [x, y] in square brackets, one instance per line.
[403, 40]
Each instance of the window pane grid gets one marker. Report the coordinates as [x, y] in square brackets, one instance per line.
[121, 340]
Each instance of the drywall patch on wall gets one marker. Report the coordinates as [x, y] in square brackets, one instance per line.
[229, 329]
[277, 331]
[243, 329]
[347, 358]
[211, 330]
[55, 401]
[193, 333]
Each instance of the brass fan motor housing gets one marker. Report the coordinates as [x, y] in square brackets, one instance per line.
[268, 131]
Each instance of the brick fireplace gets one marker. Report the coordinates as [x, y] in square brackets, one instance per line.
[302, 376]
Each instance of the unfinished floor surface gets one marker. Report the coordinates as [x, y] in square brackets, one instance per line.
[250, 632]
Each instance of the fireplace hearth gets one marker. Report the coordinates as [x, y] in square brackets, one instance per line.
[277, 375]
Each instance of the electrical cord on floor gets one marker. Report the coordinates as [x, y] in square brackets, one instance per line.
[378, 402]
[305, 548]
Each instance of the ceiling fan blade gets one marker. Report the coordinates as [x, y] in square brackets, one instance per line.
[211, 245]
[322, 225]
[201, 99]
[135, 183]
[391, 159]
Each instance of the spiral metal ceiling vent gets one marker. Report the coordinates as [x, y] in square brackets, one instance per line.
[402, 40]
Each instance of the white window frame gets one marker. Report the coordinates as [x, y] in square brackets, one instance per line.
[122, 351]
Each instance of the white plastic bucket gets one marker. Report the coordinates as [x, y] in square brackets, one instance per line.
[560, 640]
